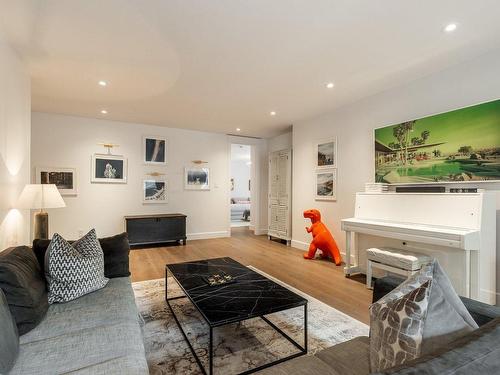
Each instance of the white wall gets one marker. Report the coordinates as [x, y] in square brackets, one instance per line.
[240, 173]
[462, 85]
[15, 112]
[65, 141]
[281, 142]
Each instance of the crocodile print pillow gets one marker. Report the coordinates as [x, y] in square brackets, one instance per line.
[73, 270]
[397, 322]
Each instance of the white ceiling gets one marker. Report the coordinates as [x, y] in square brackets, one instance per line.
[221, 64]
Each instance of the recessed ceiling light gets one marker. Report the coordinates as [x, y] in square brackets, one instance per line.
[330, 85]
[104, 111]
[238, 129]
[103, 83]
[450, 27]
[272, 113]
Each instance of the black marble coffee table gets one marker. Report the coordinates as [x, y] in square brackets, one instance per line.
[251, 296]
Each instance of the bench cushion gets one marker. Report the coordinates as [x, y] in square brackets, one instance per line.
[402, 259]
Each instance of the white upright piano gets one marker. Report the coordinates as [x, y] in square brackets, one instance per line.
[458, 229]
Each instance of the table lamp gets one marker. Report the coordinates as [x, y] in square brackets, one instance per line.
[41, 196]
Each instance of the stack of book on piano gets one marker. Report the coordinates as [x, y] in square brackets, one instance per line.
[376, 187]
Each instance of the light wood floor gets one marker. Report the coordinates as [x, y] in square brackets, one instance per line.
[318, 278]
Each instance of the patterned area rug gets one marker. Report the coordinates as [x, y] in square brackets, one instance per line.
[237, 347]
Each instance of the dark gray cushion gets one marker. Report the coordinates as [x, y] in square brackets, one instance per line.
[9, 339]
[348, 358]
[481, 312]
[24, 286]
[477, 353]
[116, 250]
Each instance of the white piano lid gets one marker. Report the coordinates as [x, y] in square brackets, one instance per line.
[449, 209]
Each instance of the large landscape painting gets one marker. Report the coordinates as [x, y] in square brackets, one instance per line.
[456, 146]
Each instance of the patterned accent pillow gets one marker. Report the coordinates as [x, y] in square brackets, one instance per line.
[397, 322]
[73, 270]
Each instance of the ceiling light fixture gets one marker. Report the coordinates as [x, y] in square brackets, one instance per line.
[272, 113]
[238, 129]
[330, 85]
[104, 112]
[103, 83]
[450, 27]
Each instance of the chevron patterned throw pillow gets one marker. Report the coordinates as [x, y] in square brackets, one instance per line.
[73, 270]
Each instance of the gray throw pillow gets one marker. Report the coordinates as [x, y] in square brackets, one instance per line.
[397, 322]
[73, 270]
[422, 314]
[9, 339]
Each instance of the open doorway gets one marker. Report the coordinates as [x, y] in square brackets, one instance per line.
[241, 184]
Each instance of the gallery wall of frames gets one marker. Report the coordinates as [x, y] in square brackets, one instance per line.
[111, 168]
[325, 169]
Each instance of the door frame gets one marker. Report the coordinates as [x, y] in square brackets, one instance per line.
[258, 177]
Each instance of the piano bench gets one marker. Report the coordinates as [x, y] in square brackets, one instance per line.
[397, 261]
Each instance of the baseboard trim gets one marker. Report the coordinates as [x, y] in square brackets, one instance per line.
[260, 232]
[299, 245]
[207, 235]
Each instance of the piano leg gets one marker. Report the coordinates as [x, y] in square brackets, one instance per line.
[369, 274]
[467, 274]
[349, 268]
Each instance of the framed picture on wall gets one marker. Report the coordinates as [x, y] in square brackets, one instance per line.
[326, 153]
[326, 184]
[109, 169]
[155, 150]
[64, 178]
[154, 191]
[196, 178]
[460, 146]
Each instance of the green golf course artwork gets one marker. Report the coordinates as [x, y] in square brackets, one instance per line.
[457, 146]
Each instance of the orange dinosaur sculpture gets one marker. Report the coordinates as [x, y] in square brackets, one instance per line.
[322, 239]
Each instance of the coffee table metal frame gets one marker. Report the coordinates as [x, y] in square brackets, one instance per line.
[302, 349]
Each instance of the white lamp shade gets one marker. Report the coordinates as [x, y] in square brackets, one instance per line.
[40, 196]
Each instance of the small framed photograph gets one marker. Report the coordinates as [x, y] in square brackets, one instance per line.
[64, 178]
[154, 191]
[326, 154]
[155, 150]
[196, 178]
[109, 169]
[326, 185]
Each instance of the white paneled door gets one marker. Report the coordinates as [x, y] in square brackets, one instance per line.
[280, 194]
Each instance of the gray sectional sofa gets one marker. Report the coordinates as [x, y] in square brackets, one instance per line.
[475, 353]
[98, 333]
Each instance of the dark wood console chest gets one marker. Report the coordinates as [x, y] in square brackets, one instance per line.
[155, 229]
